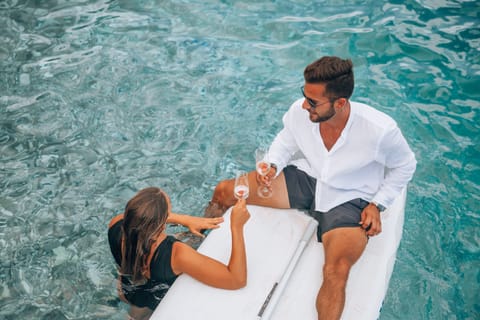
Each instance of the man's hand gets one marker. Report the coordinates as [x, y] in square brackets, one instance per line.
[371, 221]
[266, 180]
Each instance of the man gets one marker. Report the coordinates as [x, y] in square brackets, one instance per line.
[356, 162]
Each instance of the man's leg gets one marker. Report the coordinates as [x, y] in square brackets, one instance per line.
[223, 197]
[343, 247]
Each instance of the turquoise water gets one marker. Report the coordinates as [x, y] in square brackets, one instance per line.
[101, 98]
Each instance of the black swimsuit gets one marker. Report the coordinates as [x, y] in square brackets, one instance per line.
[161, 274]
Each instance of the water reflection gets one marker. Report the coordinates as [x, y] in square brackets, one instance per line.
[101, 98]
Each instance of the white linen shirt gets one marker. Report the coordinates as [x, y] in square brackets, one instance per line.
[370, 160]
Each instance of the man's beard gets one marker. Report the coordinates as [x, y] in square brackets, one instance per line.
[322, 118]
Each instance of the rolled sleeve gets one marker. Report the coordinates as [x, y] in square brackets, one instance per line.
[283, 146]
[400, 164]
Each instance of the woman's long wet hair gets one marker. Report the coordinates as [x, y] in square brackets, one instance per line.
[144, 219]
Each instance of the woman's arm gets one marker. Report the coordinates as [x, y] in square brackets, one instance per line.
[194, 224]
[210, 271]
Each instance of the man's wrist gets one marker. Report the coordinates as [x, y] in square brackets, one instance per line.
[379, 206]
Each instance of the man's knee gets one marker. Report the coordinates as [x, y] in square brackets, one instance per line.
[220, 195]
[337, 271]
[220, 201]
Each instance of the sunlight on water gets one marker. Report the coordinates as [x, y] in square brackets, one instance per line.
[101, 98]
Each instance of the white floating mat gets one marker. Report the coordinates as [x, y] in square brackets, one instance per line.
[274, 244]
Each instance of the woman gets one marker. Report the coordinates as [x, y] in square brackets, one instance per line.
[149, 260]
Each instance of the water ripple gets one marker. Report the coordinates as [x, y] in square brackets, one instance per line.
[101, 98]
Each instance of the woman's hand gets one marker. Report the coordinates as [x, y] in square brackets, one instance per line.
[195, 224]
[213, 272]
[240, 214]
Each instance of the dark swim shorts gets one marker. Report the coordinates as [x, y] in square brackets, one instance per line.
[301, 194]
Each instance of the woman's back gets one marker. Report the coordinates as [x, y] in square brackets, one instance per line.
[150, 293]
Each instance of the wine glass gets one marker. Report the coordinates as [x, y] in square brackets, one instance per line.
[263, 168]
[241, 189]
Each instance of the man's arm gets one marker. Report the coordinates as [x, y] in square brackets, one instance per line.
[283, 147]
[400, 163]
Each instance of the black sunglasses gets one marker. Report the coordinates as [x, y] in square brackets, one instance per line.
[313, 104]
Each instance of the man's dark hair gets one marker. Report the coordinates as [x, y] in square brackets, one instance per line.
[335, 72]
